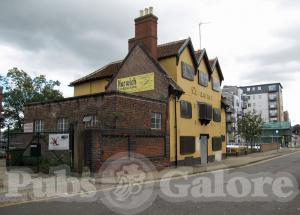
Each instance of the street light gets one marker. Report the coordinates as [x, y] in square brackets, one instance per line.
[277, 140]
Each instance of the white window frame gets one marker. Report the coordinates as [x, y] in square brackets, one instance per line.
[62, 124]
[39, 125]
[92, 122]
[156, 119]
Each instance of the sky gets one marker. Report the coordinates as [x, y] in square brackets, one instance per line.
[256, 41]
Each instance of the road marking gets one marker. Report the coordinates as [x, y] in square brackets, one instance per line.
[146, 182]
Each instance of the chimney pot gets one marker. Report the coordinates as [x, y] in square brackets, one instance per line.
[141, 13]
[150, 10]
[146, 11]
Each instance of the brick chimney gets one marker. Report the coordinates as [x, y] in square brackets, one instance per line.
[146, 31]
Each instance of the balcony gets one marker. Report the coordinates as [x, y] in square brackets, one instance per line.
[272, 97]
[273, 114]
[272, 106]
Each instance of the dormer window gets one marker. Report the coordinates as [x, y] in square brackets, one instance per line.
[203, 79]
[216, 86]
[187, 71]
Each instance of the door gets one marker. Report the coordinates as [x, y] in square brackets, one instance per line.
[203, 148]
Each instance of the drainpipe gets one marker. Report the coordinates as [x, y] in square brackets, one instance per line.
[176, 142]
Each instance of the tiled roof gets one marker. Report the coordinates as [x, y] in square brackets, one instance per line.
[164, 50]
[104, 72]
[169, 49]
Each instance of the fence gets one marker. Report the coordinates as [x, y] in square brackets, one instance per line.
[40, 150]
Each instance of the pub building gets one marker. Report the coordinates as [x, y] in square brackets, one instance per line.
[162, 101]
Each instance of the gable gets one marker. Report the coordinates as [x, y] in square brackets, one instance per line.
[141, 76]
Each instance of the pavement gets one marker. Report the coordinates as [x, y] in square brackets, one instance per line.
[285, 161]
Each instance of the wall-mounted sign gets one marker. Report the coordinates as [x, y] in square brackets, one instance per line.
[138, 83]
[59, 142]
[28, 127]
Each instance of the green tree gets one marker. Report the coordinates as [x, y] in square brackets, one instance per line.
[296, 129]
[250, 127]
[20, 89]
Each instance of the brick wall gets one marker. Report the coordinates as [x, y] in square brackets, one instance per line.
[121, 117]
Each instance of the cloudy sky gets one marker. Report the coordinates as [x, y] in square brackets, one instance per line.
[256, 41]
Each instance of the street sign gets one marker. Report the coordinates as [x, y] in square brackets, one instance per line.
[59, 142]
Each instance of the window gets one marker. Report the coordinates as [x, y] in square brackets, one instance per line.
[273, 119]
[203, 79]
[272, 88]
[63, 124]
[187, 71]
[248, 89]
[259, 88]
[216, 115]
[185, 109]
[272, 97]
[90, 121]
[187, 145]
[205, 113]
[216, 143]
[156, 120]
[259, 96]
[254, 104]
[253, 88]
[39, 125]
[249, 105]
[216, 85]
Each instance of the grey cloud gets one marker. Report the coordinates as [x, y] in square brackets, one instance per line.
[92, 31]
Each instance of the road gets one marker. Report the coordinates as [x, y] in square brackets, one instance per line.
[290, 164]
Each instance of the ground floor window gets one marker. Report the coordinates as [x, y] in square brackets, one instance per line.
[187, 145]
[39, 125]
[63, 124]
[90, 121]
[156, 120]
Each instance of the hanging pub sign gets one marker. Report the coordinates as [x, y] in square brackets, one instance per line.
[138, 83]
[59, 142]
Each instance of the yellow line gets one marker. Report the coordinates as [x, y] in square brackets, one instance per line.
[146, 182]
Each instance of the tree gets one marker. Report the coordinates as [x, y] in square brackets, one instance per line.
[19, 89]
[296, 129]
[250, 127]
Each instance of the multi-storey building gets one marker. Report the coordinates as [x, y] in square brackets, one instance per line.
[169, 92]
[265, 99]
[237, 103]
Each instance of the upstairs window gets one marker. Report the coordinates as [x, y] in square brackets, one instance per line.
[39, 125]
[216, 86]
[156, 120]
[187, 71]
[62, 124]
[216, 115]
[205, 113]
[203, 79]
[185, 109]
[272, 88]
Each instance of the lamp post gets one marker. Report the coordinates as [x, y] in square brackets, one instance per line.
[277, 140]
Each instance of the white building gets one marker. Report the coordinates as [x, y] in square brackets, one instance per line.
[265, 99]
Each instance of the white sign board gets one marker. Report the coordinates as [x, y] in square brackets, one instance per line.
[58, 141]
[28, 127]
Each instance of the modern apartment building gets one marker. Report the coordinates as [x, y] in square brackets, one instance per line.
[237, 103]
[265, 99]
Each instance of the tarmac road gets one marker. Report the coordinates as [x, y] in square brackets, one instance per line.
[289, 164]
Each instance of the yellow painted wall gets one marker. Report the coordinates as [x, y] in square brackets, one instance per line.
[194, 93]
[170, 65]
[91, 87]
